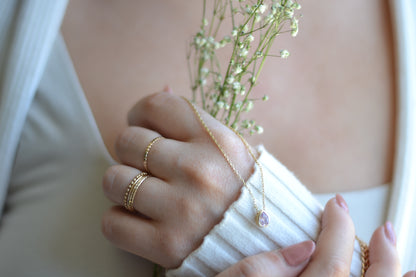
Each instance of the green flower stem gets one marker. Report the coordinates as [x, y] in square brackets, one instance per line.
[226, 94]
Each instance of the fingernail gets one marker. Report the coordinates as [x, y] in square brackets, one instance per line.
[167, 89]
[298, 253]
[389, 231]
[341, 202]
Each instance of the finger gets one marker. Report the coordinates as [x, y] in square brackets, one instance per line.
[171, 116]
[335, 244]
[148, 198]
[139, 236]
[286, 262]
[410, 274]
[384, 260]
[162, 154]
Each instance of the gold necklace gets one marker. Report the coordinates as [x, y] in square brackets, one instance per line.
[262, 218]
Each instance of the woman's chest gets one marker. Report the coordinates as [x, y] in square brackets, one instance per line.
[330, 117]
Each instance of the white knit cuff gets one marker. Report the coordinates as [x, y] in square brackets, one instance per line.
[294, 217]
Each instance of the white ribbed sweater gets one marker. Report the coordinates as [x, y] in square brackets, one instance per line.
[295, 216]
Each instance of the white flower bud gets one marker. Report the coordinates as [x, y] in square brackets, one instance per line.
[249, 106]
[236, 86]
[243, 52]
[238, 69]
[284, 54]
[259, 129]
[262, 8]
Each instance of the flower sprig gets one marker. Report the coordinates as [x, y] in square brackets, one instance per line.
[225, 94]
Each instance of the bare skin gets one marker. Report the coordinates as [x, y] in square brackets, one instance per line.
[331, 109]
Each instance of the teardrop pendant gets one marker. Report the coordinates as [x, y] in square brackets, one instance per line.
[262, 219]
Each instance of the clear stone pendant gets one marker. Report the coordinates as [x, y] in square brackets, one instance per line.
[262, 219]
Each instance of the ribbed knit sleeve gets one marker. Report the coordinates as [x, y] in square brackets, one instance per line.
[294, 217]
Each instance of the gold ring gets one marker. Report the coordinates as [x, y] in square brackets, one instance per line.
[132, 190]
[146, 152]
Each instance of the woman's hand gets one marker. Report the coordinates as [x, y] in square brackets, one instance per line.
[190, 187]
[332, 255]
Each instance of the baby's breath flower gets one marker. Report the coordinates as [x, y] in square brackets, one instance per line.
[289, 12]
[242, 90]
[238, 69]
[249, 106]
[284, 54]
[262, 8]
[220, 104]
[202, 82]
[259, 129]
[236, 86]
[224, 92]
[243, 52]
[258, 54]
[245, 124]
[294, 27]
[204, 71]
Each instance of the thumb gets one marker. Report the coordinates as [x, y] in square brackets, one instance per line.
[285, 262]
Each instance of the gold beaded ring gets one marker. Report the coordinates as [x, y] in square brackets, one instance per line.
[146, 152]
[132, 190]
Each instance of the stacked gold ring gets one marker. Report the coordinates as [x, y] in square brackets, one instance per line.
[132, 190]
[146, 152]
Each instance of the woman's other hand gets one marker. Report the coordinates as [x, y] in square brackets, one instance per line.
[286, 262]
[332, 255]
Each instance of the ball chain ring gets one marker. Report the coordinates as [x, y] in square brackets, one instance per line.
[147, 151]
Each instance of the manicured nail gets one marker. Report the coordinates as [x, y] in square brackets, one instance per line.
[389, 231]
[298, 253]
[167, 89]
[341, 202]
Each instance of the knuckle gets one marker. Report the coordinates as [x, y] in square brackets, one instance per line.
[198, 170]
[152, 102]
[172, 248]
[188, 208]
[249, 267]
[107, 226]
[109, 178]
[338, 268]
[124, 140]
[227, 138]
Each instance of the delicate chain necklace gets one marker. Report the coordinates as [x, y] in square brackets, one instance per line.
[262, 218]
